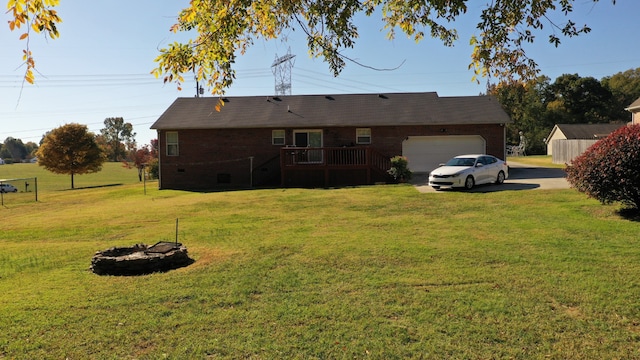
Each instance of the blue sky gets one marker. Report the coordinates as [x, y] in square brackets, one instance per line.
[100, 66]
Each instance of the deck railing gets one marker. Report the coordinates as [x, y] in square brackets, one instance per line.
[333, 159]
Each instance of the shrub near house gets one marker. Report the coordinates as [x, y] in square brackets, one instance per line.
[609, 170]
[399, 169]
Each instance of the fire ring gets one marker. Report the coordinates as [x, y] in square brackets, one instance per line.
[140, 259]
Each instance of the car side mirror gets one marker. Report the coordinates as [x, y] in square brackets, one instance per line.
[479, 165]
[441, 164]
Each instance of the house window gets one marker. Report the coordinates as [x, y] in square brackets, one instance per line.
[363, 136]
[172, 143]
[309, 139]
[277, 137]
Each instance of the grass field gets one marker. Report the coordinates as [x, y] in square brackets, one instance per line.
[537, 160]
[379, 272]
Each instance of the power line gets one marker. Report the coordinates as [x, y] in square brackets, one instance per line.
[102, 80]
[91, 126]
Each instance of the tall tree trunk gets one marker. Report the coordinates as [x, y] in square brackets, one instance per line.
[72, 181]
[116, 150]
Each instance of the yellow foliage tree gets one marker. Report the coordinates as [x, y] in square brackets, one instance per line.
[226, 28]
[70, 149]
[33, 15]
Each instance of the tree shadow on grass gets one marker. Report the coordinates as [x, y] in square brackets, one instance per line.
[92, 187]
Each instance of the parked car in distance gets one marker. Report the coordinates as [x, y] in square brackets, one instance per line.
[466, 171]
[6, 188]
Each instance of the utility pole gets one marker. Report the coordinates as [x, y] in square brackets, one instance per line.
[199, 89]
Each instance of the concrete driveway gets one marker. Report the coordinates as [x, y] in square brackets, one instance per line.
[521, 177]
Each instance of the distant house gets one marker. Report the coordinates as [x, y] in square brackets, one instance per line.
[567, 141]
[319, 140]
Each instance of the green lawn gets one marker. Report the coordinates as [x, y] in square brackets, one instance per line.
[379, 272]
[111, 174]
[537, 160]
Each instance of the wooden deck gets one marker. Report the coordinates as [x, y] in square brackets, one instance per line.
[332, 166]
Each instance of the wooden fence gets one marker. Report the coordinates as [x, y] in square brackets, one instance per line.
[564, 151]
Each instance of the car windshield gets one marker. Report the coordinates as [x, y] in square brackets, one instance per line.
[461, 162]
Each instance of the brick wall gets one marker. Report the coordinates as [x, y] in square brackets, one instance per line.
[220, 158]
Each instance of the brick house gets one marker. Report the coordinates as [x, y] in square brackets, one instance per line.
[319, 140]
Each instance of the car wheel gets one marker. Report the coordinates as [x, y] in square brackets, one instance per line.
[436, 187]
[500, 178]
[469, 183]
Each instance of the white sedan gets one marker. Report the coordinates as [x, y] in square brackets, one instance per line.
[7, 188]
[466, 171]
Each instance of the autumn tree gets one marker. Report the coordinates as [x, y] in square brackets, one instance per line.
[226, 28]
[142, 158]
[223, 30]
[153, 148]
[29, 16]
[118, 137]
[70, 149]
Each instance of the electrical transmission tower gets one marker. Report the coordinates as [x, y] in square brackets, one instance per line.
[281, 69]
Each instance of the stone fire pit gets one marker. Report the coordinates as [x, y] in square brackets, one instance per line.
[140, 259]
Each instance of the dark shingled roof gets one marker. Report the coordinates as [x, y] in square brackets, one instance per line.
[587, 131]
[330, 111]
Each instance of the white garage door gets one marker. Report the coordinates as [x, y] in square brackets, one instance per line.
[426, 152]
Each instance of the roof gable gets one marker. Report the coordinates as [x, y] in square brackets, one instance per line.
[635, 106]
[330, 111]
[586, 131]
